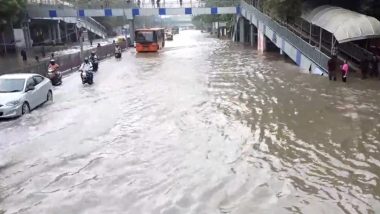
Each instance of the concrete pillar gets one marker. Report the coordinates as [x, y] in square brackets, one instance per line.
[261, 39]
[27, 37]
[59, 38]
[54, 33]
[242, 30]
[50, 32]
[132, 30]
[320, 38]
[310, 31]
[76, 33]
[235, 32]
[66, 34]
[252, 34]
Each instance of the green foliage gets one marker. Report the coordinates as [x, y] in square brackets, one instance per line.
[10, 9]
[201, 21]
[287, 10]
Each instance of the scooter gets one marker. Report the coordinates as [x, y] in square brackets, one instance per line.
[55, 77]
[117, 54]
[87, 77]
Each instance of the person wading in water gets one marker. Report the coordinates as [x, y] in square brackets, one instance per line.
[331, 65]
[344, 71]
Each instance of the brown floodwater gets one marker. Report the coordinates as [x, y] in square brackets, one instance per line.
[204, 126]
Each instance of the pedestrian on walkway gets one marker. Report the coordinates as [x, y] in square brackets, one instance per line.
[152, 3]
[138, 3]
[158, 3]
[331, 66]
[23, 55]
[91, 42]
[180, 3]
[52, 55]
[37, 59]
[344, 71]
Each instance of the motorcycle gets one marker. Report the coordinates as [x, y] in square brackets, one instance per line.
[87, 77]
[55, 77]
[117, 54]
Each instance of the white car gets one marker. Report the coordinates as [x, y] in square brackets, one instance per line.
[20, 93]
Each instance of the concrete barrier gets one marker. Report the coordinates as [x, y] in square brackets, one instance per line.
[70, 62]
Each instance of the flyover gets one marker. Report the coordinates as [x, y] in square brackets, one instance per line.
[64, 10]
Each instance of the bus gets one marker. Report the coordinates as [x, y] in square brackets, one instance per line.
[175, 30]
[150, 40]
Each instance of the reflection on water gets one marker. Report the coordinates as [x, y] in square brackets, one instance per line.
[205, 126]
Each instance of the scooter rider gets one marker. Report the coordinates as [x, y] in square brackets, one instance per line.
[93, 56]
[86, 65]
[94, 61]
[53, 66]
[117, 49]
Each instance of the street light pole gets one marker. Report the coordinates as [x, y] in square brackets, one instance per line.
[79, 25]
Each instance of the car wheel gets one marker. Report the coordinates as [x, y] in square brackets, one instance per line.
[49, 97]
[25, 108]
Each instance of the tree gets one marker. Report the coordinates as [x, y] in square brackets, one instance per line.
[9, 13]
[287, 10]
[200, 21]
[10, 9]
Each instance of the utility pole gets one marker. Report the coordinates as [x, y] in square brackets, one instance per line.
[80, 32]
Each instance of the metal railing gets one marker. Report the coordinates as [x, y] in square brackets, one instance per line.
[188, 4]
[69, 61]
[95, 23]
[137, 4]
[355, 52]
[312, 52]
[90, 23]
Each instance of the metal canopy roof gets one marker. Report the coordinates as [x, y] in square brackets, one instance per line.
[346, 25]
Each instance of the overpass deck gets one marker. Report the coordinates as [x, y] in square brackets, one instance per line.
[129, 13]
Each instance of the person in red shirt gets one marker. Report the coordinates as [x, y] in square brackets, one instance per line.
[54, 66]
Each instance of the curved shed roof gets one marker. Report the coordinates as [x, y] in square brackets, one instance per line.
[346, 25]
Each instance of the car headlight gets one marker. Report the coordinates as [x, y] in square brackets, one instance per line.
[13, 103]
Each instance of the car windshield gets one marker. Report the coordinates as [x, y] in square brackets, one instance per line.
[11, 85]
[144, 36]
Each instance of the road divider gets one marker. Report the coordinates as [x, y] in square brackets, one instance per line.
[70, 62]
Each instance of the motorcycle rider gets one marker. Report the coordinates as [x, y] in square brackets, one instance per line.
[117, 49]
[93, 56]
[94, 60]
[86, 65]
[53, 66]
[86, 69]
[53, 73]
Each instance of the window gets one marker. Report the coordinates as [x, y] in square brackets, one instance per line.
[144, 36]
[11, 85]
[30, 82]
[38, 79]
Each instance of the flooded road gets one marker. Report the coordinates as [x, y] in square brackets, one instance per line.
[205, 126]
